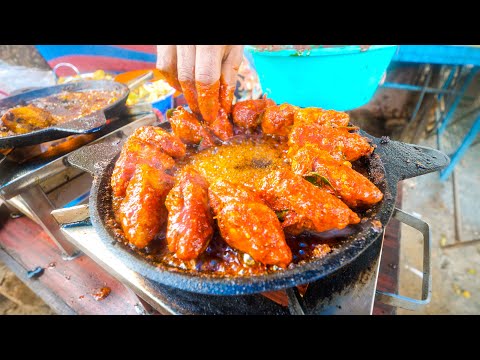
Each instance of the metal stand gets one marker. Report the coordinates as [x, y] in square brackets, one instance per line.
[34, 203]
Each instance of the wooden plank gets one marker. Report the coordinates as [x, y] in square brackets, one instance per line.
[72, 282]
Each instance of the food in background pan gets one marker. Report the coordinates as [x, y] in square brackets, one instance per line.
[52, 110]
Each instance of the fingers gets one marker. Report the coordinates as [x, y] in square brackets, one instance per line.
[231, 63]
[167, 64]
[208, 67]
[208, 63]
[186, 74]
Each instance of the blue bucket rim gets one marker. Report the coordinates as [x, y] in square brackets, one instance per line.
[323, 51]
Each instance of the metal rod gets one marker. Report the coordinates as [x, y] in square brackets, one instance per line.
[455, 104]
[409, 87]
[462, 149]
[456, 209]
[447, 82]
[38, 206]
[459, 118]
[461, 243]
[294, 305]
[422, 95]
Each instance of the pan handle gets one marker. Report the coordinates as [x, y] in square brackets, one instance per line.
[403, 301]
[83, 125]
[404, 161]
[95, 157]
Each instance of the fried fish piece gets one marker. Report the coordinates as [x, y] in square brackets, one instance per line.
[142, 213]
[190, 221]
[155, 136]
[246, 114]
[248, 225]
[306, 206]
[136, 152]
[22, 120]
[278, 119]
[312, 115]
[339, 142]
[189, 129]
[221, 126]
[352, 187]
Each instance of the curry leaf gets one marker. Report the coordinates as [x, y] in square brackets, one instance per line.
[169, 113]
[318, 179]
[281, 214]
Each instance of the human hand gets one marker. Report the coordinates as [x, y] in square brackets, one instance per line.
[206, 74]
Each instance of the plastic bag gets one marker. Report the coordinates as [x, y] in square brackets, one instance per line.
[14, 78]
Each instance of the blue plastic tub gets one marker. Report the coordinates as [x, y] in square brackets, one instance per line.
[340, 78]
[164, 103]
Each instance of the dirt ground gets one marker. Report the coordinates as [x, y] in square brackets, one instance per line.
[16, 298]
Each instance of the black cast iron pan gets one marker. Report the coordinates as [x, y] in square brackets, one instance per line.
[84, 125]
[391, 162]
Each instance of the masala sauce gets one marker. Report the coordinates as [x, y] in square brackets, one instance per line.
[243, 160]
[190, 94]
[227, 93]
[208, 100]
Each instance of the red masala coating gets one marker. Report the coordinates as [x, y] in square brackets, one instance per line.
[136, 152]
[248, 225]
[190, 222]
[246, 114]
[221, 126]
[308, 207]
[227, 93]
[352, 187]
[208, 96]
[143, 213]
[187, 127]
[278, 119]
[168, 142]
[339, 142]
[190, 94]
[321, 117]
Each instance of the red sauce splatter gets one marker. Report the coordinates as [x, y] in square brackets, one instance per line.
[101, 293]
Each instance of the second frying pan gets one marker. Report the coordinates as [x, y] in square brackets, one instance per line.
[82, 125]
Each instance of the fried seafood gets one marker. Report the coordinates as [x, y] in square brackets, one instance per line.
[278, 119]
[247, 114]
[143, 213]
[22, 120]
[306, 205]
[335, 176]
[248, 225]
[136, 152]
[321, 117]
[338, 141]
[189, 129]
[190, 222]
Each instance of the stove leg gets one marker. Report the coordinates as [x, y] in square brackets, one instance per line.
[37, 206]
